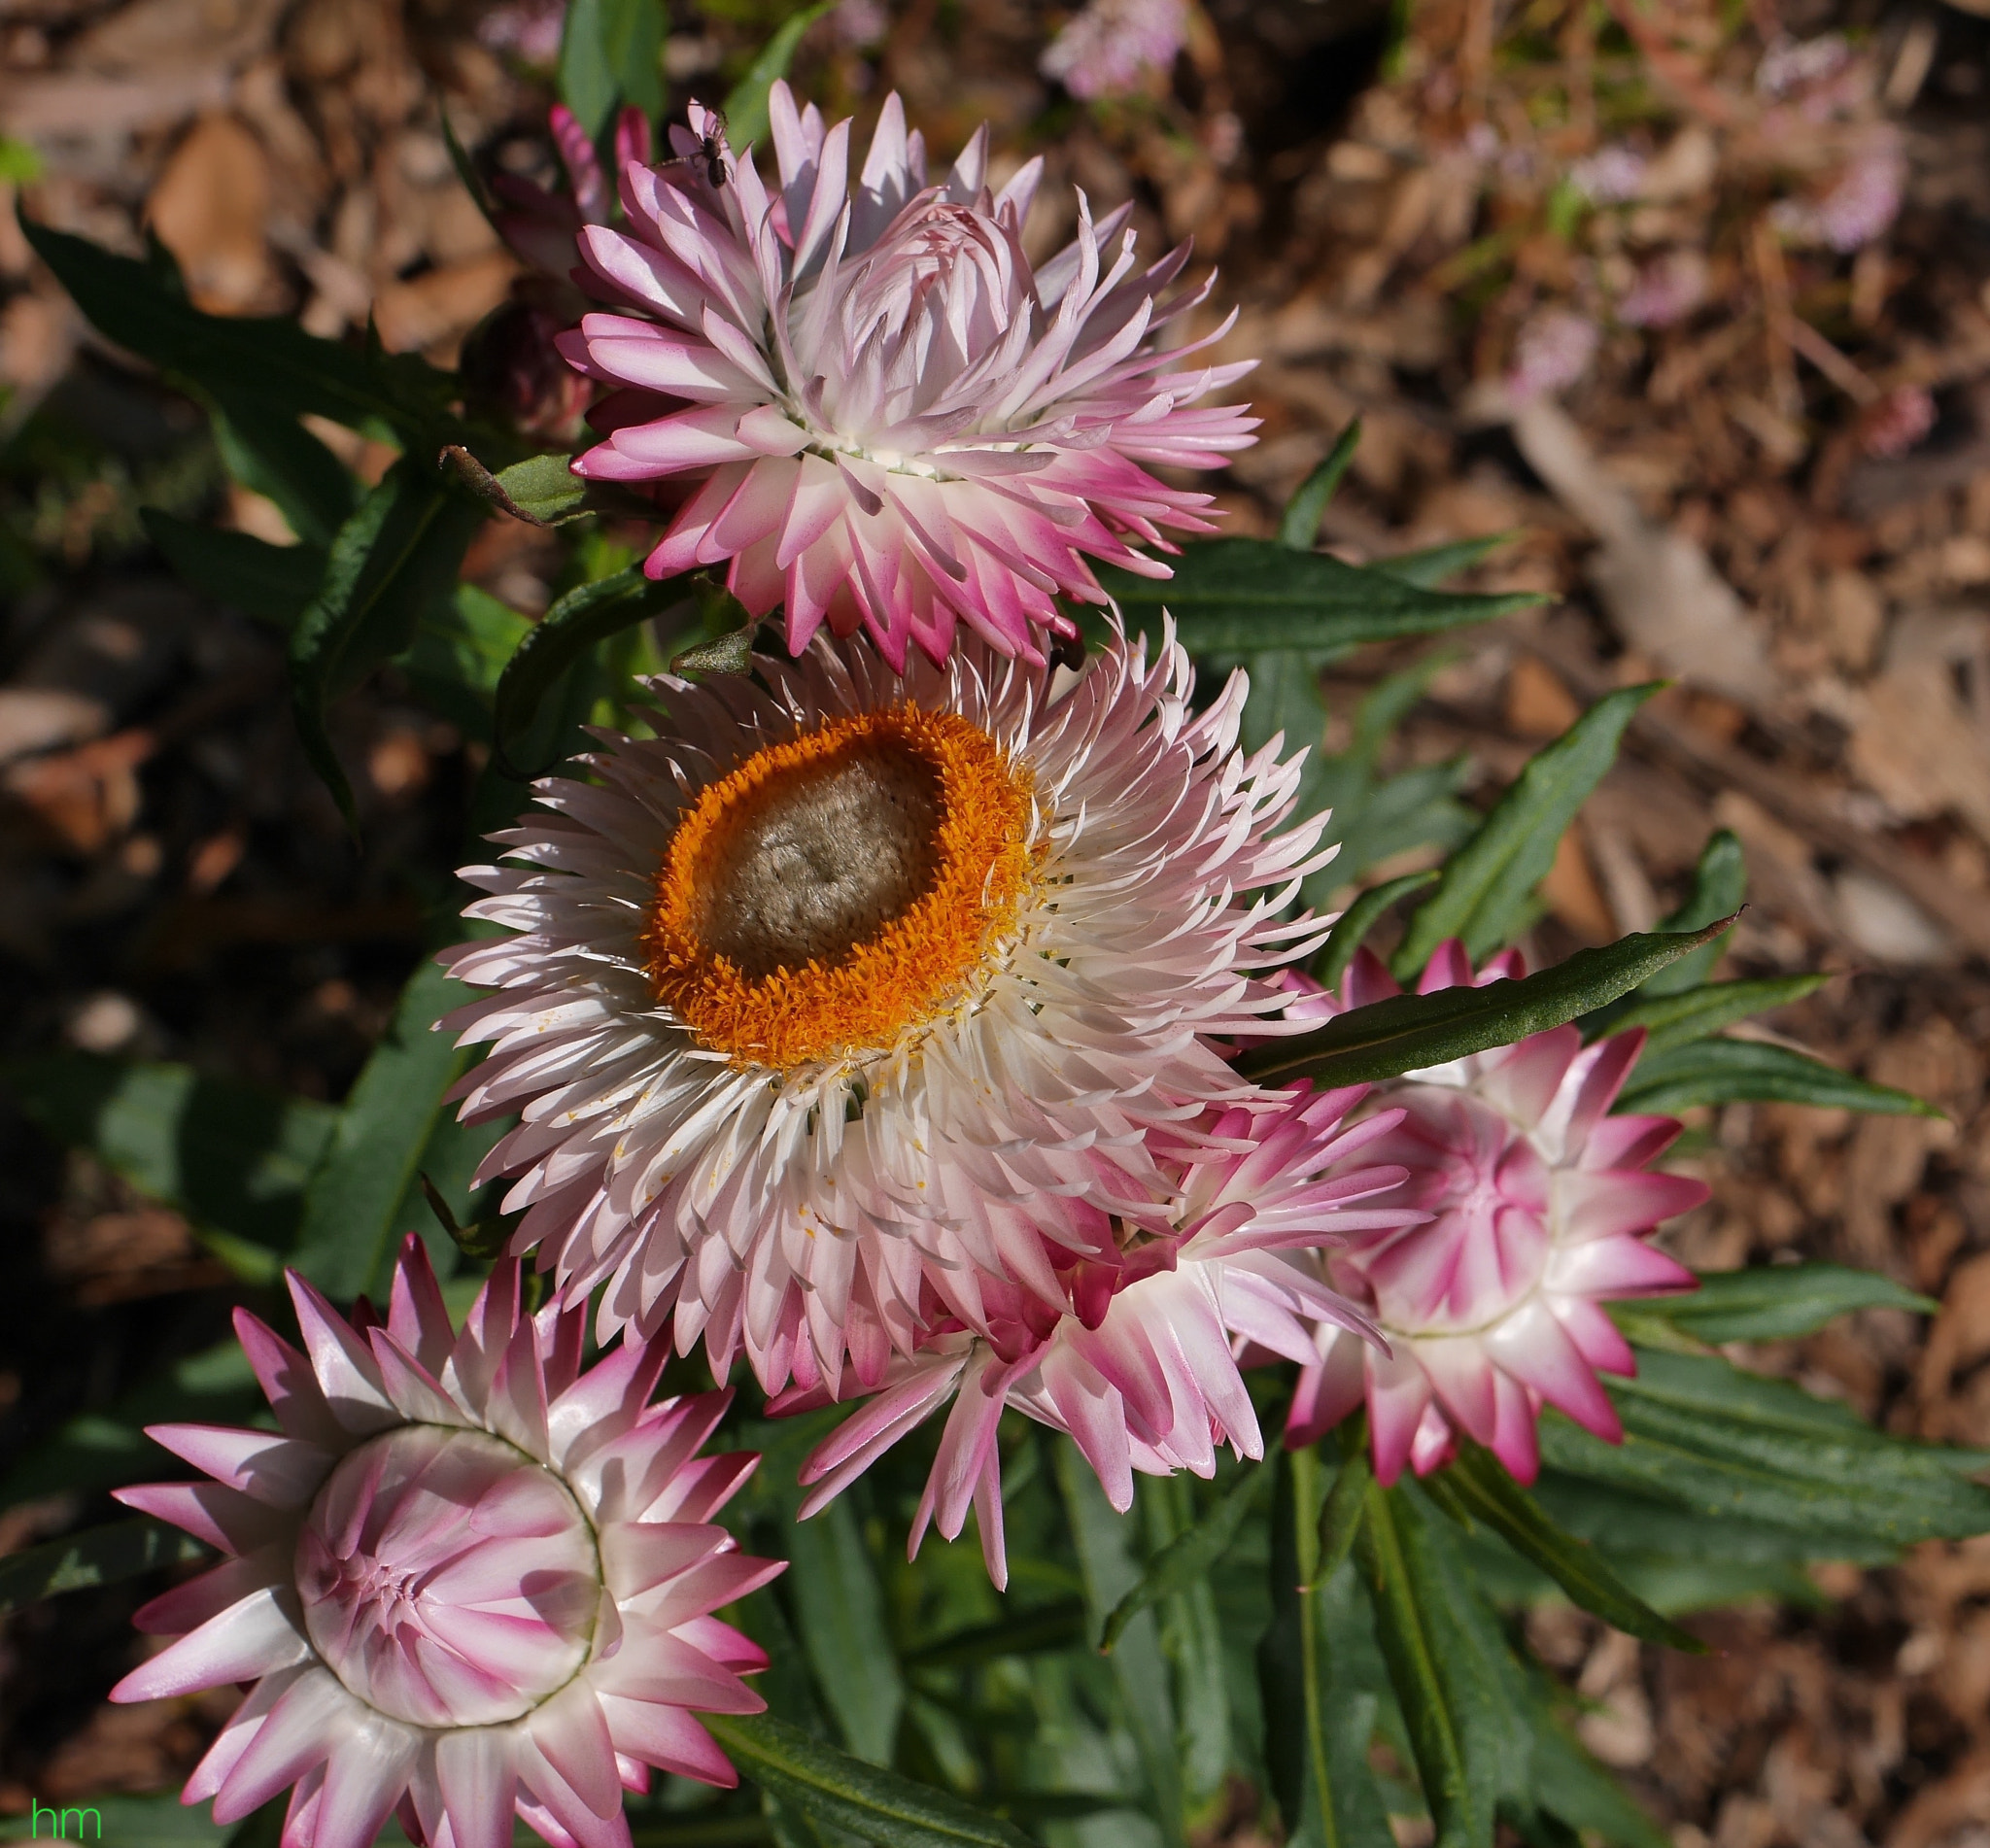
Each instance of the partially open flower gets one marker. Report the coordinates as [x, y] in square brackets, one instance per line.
[1542, 1208]
[896, 420]
[466, 1578]
[834, 1008]
[1141, 1363]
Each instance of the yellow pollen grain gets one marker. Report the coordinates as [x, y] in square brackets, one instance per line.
[913, 968]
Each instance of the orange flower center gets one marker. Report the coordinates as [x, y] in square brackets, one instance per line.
[841, 887]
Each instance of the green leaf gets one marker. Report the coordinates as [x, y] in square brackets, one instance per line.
[1679, 1018]
[1407, 1033]
[1720, 885]
[1043, 1629]
[1779, 1302]
[460, 651]
[840, 1610]
[371, 1164]
[1299, 527]
[1748, 1071]
[100, 1450]
[1238, 596]
[1431, 566]
[1432, 1679]
[746, 108]
[1475, 1487]
[273, 583]
[1488, 882]
[269, 451]
[393, 562]
[270, 362]
[632, 46]
[233, 1157]
[1192, 1641]
[840, 1791]
[1359, 919]
[1704, 1436]
[1340, 1515]
[586, 78]
[1571, 1785]
[574, 624]
[1104, 1543]
[99, 1556]
[1187, 1559]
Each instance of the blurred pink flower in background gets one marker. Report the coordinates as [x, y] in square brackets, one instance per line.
[1553, 351]
[1667, 290]
[893, 420]
[1543, 1208]
[1897, 422]
[1611, 175]
[466, 1576]
[1110, 47]
[1860, 205]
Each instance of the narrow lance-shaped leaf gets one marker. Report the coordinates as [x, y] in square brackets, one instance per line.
[1461, 1811]
[398, 553]
[1779, 1302]
[1299, 527]
[841, 1792]
[1488, 882]
[1750, 1071]
[1720, 883]
[270, 452]
[1695, 1013]
[1186, 1560]
[1340, 1515]
[746, 107]
[100, 1555]
[1431, 565]
[1407, 1033]
[1359, 918]
[838, 1609]
[575, 623]
[1239, 596]
[1475, 1487]
[376, 1148]
[270, 362]
[273, 583]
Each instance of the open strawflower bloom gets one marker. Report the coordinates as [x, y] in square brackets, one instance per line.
[1540, 1207]
[892, 418]
[849, 1007]
[467, 1576]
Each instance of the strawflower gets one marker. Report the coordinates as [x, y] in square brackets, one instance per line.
[834, 1009]
[1542, 1206]
[1139, 1361]
[888, 417]
[466, 1577]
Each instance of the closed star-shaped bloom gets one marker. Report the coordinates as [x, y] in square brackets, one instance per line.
[1541, 1208]
[890, 418]
[844, 1009]
[466, 1577]
[1140, 1363]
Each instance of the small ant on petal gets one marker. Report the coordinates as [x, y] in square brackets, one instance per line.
[710, 155]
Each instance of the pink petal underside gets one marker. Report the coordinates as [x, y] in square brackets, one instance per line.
[1630, 1142]
[636, 1556]
[190, 1605]
[1327, 1394]
[1449, 967]
[668, 1738]
[414, 1393]
[1609, 1268]
[1533, 1346]
[988, 1518]
[688, 440]
[417, 1318]
[283, 1471]
[289, 1384]
[300, 1819]
[1609, 1204]
[363, 1781]
[1462, 1378]
[1515, 1440]
[516, 1406]
[248, 1639]
[1524, 1084]
[224, 1517]
[815, 501]
[344, 1366]
[683, 367]
[1095, 1416]
[301, 1731]
[572, 1732]
[474, 1772]
[591, 1831]
[654, 1665]
[241, 1727]
[1605, 1068]
[725, 1645]
[1597, 1339]
[1397, 1393]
